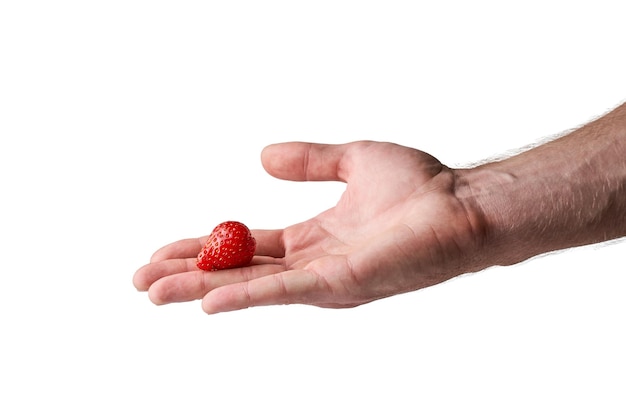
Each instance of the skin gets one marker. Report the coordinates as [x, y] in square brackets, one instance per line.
[405, 221]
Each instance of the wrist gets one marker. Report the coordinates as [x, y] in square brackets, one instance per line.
[485, 193]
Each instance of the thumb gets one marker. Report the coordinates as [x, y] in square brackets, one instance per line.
[302, 161]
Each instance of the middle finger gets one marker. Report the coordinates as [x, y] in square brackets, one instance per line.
[193, 285]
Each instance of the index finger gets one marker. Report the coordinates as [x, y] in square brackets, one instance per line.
[268, 243]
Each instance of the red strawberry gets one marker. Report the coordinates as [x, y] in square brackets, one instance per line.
[230, 245]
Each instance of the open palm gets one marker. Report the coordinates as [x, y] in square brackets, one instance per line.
[397, 227]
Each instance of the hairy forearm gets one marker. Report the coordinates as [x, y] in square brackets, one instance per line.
[565, 193]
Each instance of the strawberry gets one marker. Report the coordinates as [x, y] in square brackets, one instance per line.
[230, 245]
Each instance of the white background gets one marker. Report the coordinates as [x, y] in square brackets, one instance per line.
[126, 125]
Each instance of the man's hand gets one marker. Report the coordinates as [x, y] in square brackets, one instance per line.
[398, 227]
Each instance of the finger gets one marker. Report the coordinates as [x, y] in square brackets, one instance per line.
[290, 287]
[193, 285]
[301, 161]
[268, 243]
[152, 272]
[149, 274]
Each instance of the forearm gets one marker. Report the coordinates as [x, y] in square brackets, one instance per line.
[568, 192]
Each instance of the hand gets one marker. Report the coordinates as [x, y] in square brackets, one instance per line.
[398, 227]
